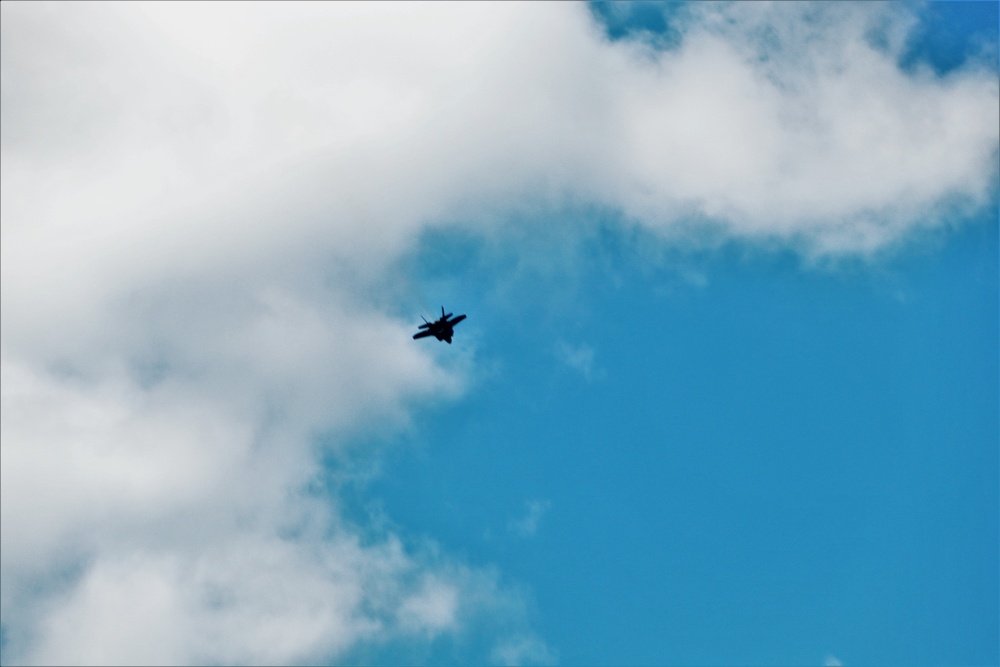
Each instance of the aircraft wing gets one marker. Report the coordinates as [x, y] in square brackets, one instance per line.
[422, 334]
[457, 320]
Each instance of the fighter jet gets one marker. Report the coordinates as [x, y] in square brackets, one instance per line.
[442, 329]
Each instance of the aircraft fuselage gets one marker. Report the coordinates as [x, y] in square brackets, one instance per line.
[442, 329]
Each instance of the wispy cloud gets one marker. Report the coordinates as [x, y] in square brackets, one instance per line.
[580, 358]
[523, 651]
[527, 525]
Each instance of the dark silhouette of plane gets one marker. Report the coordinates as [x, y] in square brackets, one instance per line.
[442, 329]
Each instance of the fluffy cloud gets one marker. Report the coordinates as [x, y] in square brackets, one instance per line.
[202, 210]
[176, 507]
[797, 124]
[253, 600]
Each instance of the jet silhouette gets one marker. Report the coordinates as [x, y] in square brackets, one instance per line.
[442, 329]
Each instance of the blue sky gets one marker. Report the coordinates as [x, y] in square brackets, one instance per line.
[768, 464]
[766, 467]
[728, 389]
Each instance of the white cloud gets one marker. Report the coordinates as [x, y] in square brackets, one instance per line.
[201, 206]
[194, 488]
[782, 122]
[527, 525]
[578, 357]
[432, 609]
[523, 651]
[256, 600]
